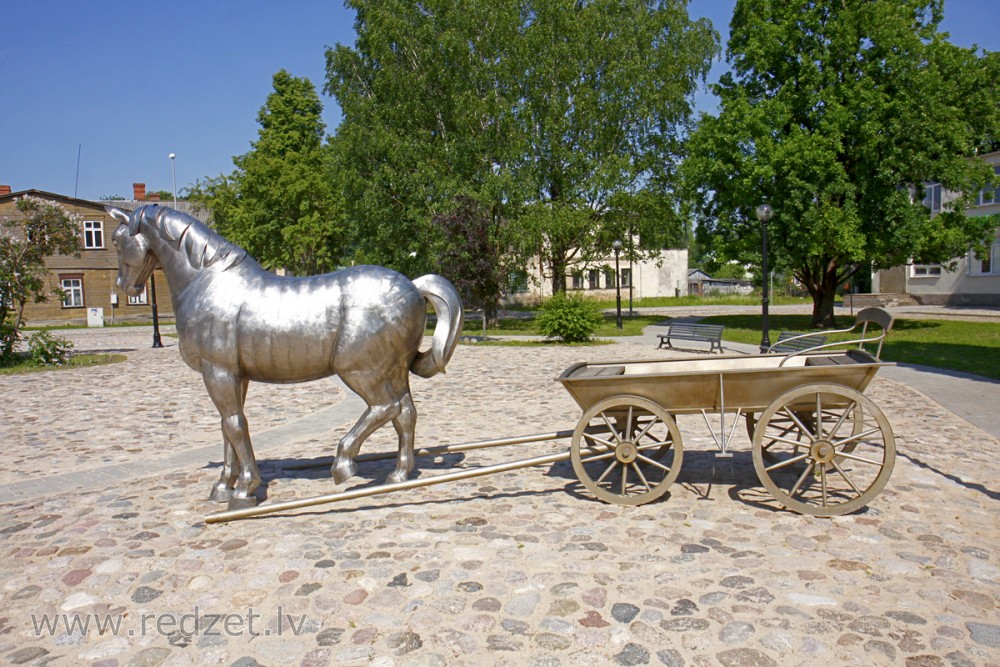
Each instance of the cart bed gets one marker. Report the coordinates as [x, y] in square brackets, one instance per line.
[733, 383]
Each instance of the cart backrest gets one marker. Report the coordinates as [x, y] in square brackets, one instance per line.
[879, 317]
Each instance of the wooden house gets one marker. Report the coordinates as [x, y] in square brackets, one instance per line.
[88, 280]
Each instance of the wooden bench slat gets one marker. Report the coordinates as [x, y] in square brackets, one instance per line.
[708, 333]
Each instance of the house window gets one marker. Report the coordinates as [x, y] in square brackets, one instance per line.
[577, 280]
[609, 277]
[626, 277]
[139, 300]
[932, 196]
[518, 282]
[93, 234]
[989, 196]
[925, 270]
[72, 287]
[594, 279]
[986, 264]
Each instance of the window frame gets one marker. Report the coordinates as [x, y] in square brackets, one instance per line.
[593, 279]
[69, 291]
[96, 233]
[141, 300]
[925, 270]
[932, 192]
[992, 262]
[625, 278]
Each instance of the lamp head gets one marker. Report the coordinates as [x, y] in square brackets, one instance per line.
[764, 212]
[616, 244]
[172, 156]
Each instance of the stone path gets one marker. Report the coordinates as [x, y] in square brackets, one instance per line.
[522, 568]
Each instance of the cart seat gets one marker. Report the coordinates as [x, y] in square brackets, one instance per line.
[848, 357]
[599, 371]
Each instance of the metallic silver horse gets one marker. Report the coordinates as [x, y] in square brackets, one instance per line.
[237, 322]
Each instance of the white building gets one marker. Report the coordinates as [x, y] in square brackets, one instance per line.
[975, 280]
[664, 276]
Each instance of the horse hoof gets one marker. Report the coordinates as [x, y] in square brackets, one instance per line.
[220, 494]
[241, 503]
[397, 477]
[343, 473]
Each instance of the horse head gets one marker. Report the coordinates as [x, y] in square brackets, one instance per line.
[136, 260]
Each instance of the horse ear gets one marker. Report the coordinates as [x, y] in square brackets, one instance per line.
[118, 214]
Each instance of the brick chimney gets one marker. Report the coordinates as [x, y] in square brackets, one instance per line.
[138, 191]
[4, 190]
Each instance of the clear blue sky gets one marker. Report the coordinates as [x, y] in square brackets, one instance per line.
[128, 83]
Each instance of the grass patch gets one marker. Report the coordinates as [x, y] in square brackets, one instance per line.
[116, 325]
[694, 300]
[538, 343]
[969, 347]
[523, 326]
[76, 361]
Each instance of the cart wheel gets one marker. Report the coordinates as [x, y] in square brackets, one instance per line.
[845, 465]
[627, 450]
[783, 426]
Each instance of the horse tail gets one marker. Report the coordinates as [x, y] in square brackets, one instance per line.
[448, 306]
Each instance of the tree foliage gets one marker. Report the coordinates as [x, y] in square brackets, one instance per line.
[474, 255]
[560, 116]
[43, 228]
[279, 203]
[837, 113]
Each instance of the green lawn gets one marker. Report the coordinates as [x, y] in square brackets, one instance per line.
[76, 361]
[971, 347]
[694, 300]
[516, 326]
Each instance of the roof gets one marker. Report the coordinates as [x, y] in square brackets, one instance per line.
[191, 208]
[42, 194]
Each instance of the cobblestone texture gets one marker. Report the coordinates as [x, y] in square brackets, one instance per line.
[520, 568]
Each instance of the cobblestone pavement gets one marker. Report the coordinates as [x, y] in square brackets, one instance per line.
[521, 568]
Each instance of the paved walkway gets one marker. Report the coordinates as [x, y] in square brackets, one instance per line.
[521, 568]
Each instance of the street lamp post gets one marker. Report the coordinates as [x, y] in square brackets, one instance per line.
[157, 341]
[764, 214]
[617, 245]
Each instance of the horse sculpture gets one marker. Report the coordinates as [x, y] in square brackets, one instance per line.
[237, 322]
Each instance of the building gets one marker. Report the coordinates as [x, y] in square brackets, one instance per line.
[88, 281]
[702, 284]
[974, 281]
[664, 276]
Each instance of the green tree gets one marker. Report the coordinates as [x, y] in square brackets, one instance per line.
[474, 255]
[561, 116]
[43, 228]
[279, 203]
[837, 113]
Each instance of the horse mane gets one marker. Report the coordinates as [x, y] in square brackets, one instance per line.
[204, 246]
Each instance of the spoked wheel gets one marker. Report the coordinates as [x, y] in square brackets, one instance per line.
[782, 425]
[627, 450]
[824, 466]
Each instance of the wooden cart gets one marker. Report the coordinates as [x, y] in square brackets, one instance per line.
[820, 446]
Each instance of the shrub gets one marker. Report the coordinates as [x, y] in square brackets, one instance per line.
[48, 350]
[572, 319]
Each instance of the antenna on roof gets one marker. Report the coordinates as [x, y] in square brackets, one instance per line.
[76, 186]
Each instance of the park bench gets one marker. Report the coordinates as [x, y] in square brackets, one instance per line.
[706, 333]
[791, 341]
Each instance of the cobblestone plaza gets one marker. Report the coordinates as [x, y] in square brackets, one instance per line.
[107, 560]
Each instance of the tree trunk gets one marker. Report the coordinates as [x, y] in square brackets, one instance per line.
[557, 263]
[490, 314]
[824, 295]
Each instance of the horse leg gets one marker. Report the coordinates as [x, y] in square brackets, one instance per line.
[406, 424]
[381, 408]
[228, 392]
[222, 491]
